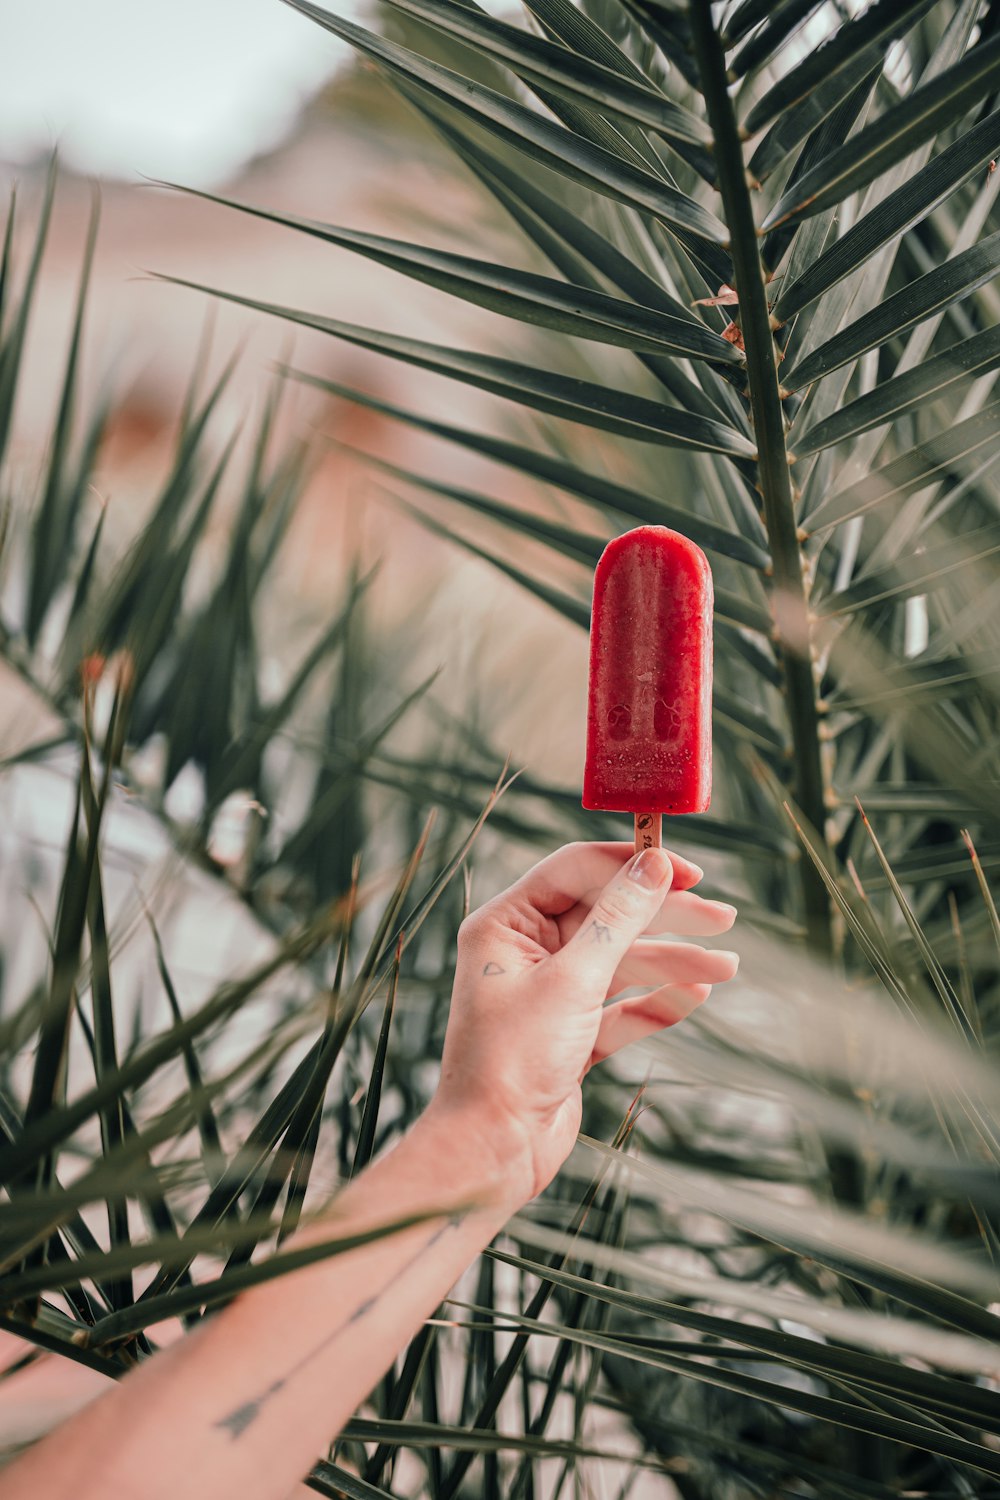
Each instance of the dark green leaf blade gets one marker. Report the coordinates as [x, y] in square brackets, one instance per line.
[794, 127]
[558, 395]
[862, 1414]
[55, 520]
[889, 139]
[524, 295]
[561, 69]
[566, 23]
[785, 16]
[742, 20]
[666, 25]
[105, 1048]
[919, 300]
[579, 545]
[729, 607]
[56, 1125]
[564, 237]
[970, 446]
[908, 204]
[365, 1146]
[341, 1484]
[880, 23]
[866, 1368]
[14, 336]
[937, 378]
[526, 130]
[807, 240]
[916, 574]
[583, 256]
[646, 509]
[208, 1129]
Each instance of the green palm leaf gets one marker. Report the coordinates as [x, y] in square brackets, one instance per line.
[917, 119]
[562, 69]
[542, 300]
[947, 373]
[878, 24]
[910, 203]
[915, 574]
[617, 498]
[968, 448]
[923, 298]
[559, 395]
[14, 330]
[552, 145]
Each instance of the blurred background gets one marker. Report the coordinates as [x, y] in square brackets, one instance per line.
[268, 110]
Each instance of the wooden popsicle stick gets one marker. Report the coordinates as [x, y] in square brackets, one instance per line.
[648, 831]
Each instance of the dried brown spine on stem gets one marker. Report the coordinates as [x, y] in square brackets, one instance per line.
[648, 831]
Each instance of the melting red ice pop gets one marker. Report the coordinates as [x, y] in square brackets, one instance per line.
[649, 718]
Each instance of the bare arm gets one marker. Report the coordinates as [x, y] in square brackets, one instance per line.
[243, 1405]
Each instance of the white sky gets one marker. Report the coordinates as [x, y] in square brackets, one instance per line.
[185, 89]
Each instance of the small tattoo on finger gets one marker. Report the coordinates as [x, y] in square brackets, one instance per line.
[600, 932]
[491, 968]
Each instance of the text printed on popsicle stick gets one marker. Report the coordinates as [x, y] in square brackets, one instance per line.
[648, 831]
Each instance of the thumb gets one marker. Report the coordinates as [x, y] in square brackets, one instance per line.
[622, 911]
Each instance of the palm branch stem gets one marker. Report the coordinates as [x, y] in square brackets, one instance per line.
[789, 595]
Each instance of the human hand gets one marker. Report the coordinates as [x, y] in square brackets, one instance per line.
[535, 967]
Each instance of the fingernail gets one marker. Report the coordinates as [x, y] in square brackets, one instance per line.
[650, 869]
[697, 869]
[728, 953]
[724, 906]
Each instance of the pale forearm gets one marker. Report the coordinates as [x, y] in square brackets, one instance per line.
[246, 1403]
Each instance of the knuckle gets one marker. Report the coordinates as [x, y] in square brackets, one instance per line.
[577, 855]
[471, 929]
[474, 927]
[615, 907]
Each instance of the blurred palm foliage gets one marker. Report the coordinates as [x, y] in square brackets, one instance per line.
[759, 242]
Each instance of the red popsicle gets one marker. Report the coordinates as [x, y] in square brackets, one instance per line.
[649, 718]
